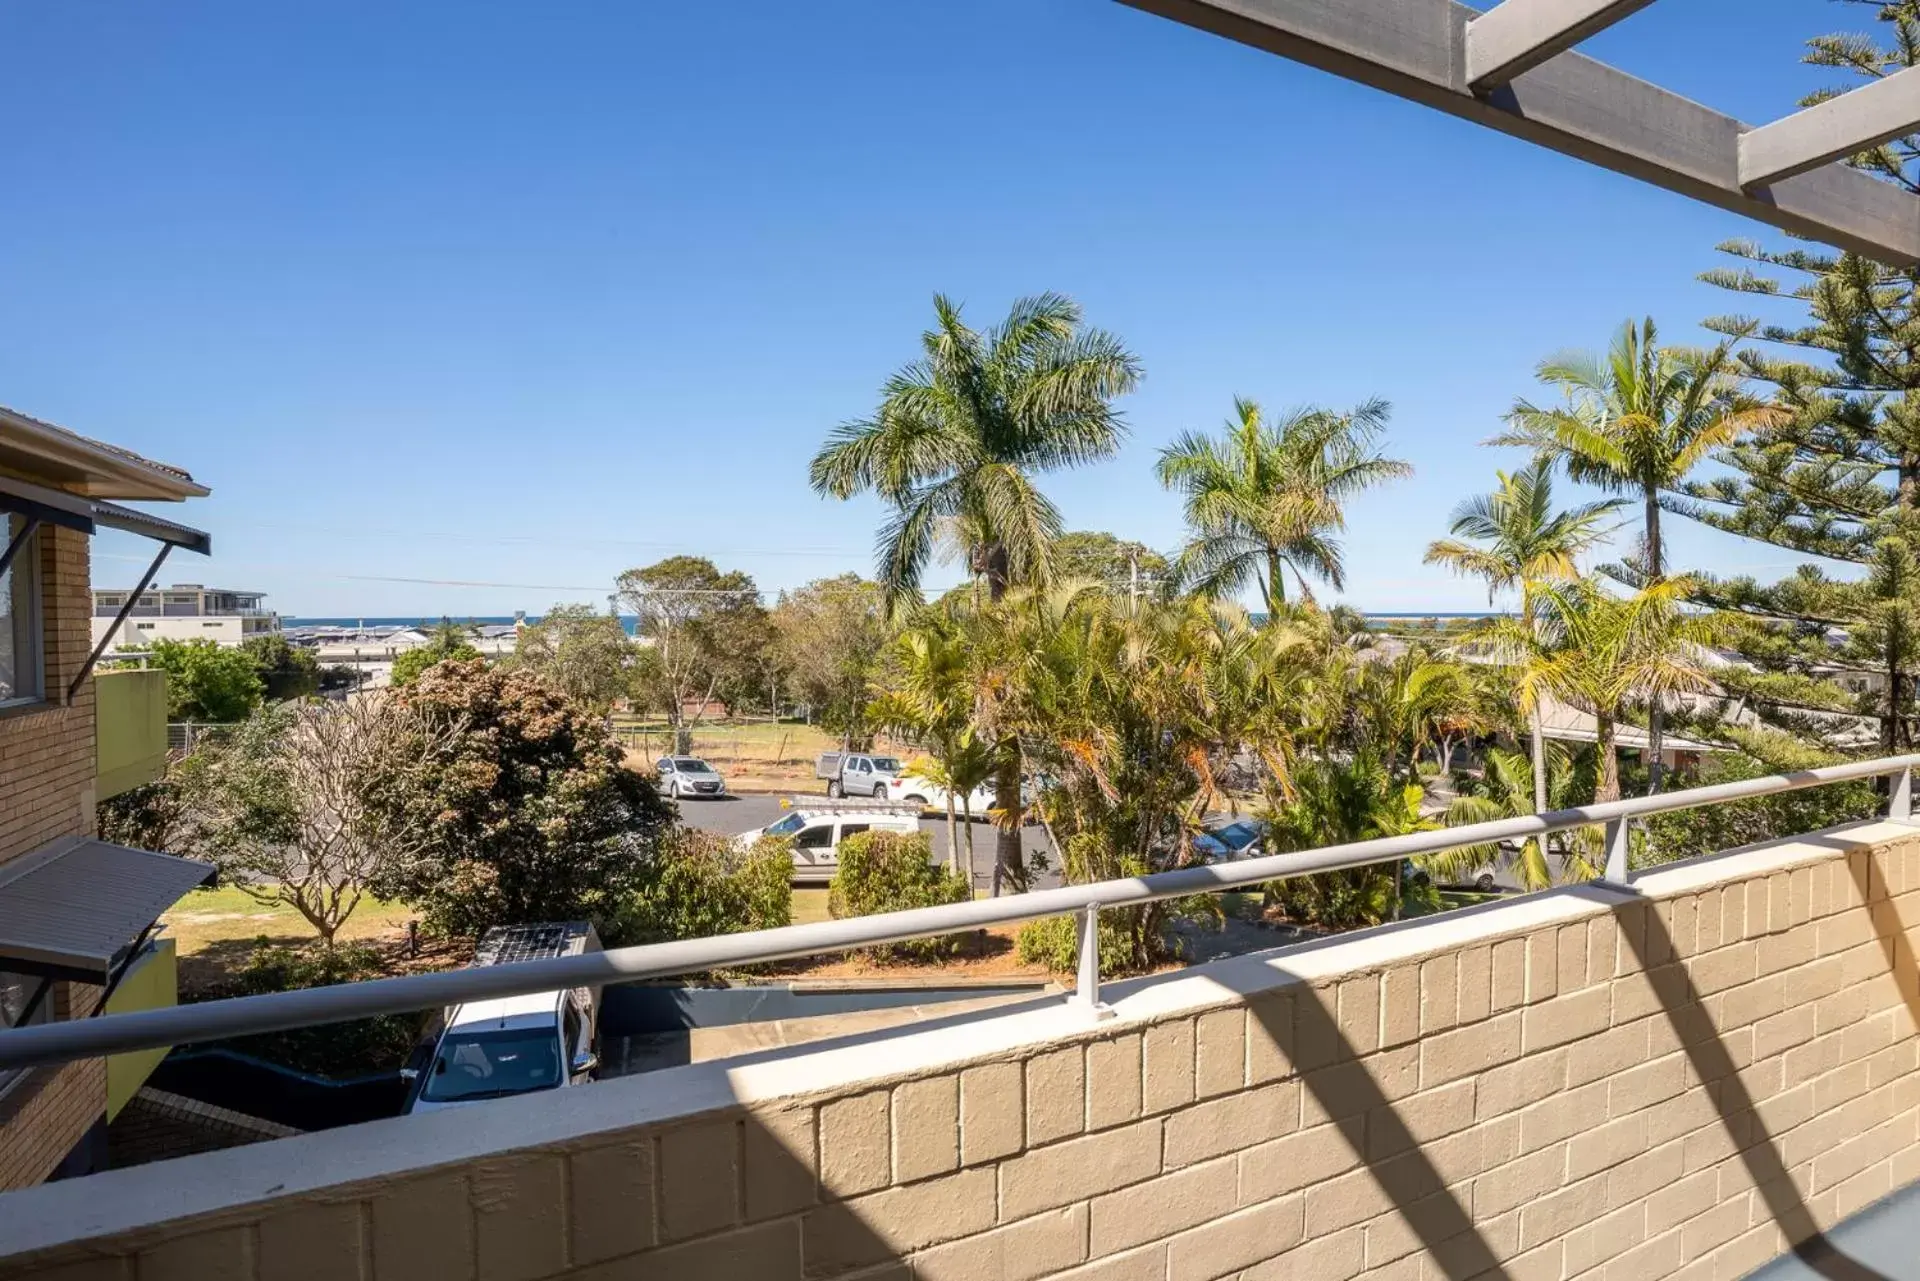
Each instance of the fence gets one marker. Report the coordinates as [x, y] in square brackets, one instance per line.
[240, 1016]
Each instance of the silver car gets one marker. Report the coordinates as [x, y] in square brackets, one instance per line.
[683, 776]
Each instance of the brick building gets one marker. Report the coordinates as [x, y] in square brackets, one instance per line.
[74, 912]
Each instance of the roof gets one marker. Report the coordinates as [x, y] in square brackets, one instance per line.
[1571, 725]
[75, 908]
[81, 465]
[534, 1009]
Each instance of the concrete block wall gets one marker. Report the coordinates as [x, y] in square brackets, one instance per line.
[1581, 1084]
[47, 771]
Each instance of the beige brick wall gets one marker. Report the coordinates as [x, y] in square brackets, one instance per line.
[1581, 1085]
[46, 791]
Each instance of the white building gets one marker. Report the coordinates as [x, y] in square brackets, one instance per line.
[184, 611]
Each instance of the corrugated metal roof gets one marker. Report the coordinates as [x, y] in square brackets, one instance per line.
[76, 906]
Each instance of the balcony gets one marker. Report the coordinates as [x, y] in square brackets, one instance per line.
[1685, 1073]
[130, 729]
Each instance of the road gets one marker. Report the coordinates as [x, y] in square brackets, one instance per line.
[734, 814]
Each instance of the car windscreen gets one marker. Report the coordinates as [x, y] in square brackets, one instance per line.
[786, 826]
[1237, 835]
[886, 764]
[488, 1065]
[690, 765]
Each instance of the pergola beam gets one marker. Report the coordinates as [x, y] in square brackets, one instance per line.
[1416, 49]
[1514, 37]
[1832, 130]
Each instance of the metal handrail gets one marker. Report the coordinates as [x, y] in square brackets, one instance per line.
[246, 1015]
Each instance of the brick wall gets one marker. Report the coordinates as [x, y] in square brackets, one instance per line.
[1582, 1084]
[46, 791]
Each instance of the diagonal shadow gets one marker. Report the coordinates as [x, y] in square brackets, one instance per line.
[1339, 1082]
[1891, 933]
[1680, 1001]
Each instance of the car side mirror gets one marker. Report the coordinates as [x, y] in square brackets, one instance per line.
[585, 1061]
[409, 1074]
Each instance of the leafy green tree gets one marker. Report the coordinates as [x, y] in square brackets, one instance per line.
[1838, 476]
[206, 682]
[961, 433]
[585, 654]
[954, 448]
[829, 635]
[1264, 499]
[1513, 538]
[702, 625]
[1334, 803]
[1639, 422]
[1117, 564]
[286, 671]
[1509, 788]
[931, 701]
[535, 818]
[447, 640]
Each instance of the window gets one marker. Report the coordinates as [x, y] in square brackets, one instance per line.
[17, 992]
[854, 829]
[20, 620]
[814, 838]
[490, 1065]
[573, 1041]
[786, 826]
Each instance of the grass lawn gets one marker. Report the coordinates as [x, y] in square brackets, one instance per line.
[206, 918]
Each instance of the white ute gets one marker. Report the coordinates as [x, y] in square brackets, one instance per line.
[816, 834]
[515, 1044]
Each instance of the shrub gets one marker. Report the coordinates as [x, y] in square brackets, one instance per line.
[699, 884]
[1055, 943]
[891, 872]
[1352, 898]
[1692, 833]
[357, 1048]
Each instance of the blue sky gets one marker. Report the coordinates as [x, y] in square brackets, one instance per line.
[517, 294]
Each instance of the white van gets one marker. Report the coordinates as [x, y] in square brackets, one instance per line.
[515, 1044]
[816, 836]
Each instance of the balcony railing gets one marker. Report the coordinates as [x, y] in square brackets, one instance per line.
[130, 729]
[240, 1016]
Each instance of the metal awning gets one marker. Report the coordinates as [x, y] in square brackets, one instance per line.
[75, 909]
[86, 515]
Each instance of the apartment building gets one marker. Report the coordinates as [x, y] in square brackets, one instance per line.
[184, 611]
[76, 914]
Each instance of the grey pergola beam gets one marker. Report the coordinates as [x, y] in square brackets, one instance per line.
[1416, 49]
[1514, 37]
[1831, 130]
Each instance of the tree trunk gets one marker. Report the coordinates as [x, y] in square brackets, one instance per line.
[1537, 743]
[1010, 865]
[1275, 588]
[953, 836]
[1609, 789]
[966, 810]
[1656, 714]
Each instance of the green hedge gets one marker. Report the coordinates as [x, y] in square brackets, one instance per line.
[891, 872]
[350, 1049]
[700, 884]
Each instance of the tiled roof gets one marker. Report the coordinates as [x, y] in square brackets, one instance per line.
[127, 454]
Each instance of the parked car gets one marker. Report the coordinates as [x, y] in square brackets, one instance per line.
[516, 1044]
[857, 773]
[1242, 838]
[689, 776]
[915, 790]
[816, 835]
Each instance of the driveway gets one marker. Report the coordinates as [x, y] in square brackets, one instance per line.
[734, 814]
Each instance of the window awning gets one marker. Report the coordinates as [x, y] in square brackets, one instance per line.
[75, 909]
[72, 511]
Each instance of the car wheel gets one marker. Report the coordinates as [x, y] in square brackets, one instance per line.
[879, 791]
[1485, 883]
[673, 789]
[917, 800]
[833, 787]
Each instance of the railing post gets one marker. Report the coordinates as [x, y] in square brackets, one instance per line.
[1616, 843]
[1900, 797]
[1087, 997]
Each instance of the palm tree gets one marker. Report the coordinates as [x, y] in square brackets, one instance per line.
[1509, 788]
[961, 432]
[931, 699]
[1514, 538]
[953, 449]
[1263, 499]
[1603, 653]
[1637, 422]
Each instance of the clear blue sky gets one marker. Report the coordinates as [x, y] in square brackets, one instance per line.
[528, 294]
